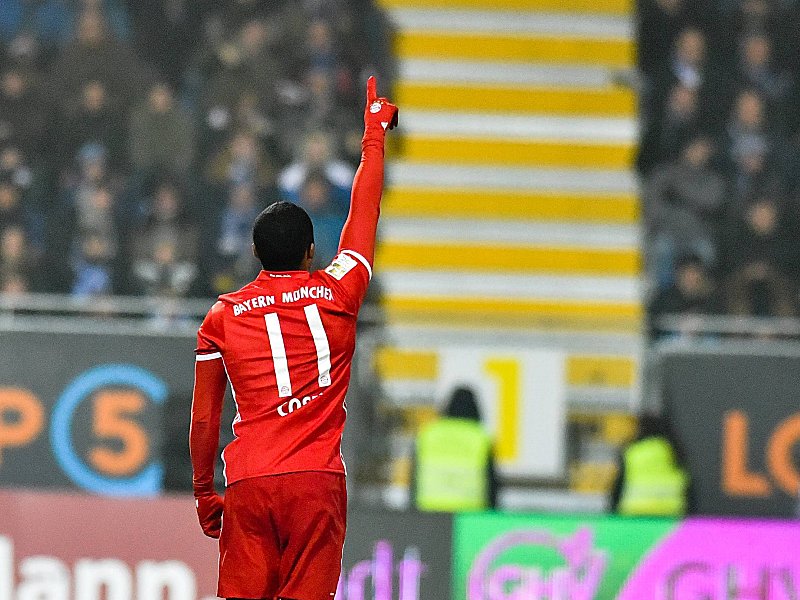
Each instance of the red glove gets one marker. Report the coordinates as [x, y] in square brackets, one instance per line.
[209, 512]
[379, 113]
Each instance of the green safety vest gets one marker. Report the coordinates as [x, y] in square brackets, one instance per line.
[452, 460]
[654, 485]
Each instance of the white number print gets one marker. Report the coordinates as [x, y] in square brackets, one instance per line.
[278, 349]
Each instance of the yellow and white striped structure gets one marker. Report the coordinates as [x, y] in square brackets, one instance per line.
[511, 203]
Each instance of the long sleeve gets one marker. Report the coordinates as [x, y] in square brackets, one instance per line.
[209, 391]
[361, 226]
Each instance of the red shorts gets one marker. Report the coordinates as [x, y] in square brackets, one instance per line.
[282, 536]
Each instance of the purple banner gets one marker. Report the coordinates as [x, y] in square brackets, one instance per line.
[716, 559]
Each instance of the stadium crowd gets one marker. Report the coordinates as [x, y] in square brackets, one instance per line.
[719, 155]
[139, 139]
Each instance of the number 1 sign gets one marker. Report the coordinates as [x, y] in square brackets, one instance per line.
[522, 396]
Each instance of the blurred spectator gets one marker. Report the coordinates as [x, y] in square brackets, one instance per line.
[759, 254]
[317, 155]
[22, 115]
[13, 211]
[689, 64]
[95, 56]
[246, 66]
[658, 23]
[13, 284]
[682, 204]
[167, 223]
[248, 111]
[242, 162]
[161, 273]
[757, 70]
[95, 215]
[16, 258]
[327, 215]
[752, 146]
[692, 293]
[54, 21]
[92, 265]
[234, 260]
[166, 33]
[161, 135]
[90, 172]
[14, 168]
[92, 121]
[667, 136]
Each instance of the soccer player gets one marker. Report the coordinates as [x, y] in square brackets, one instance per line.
[285, 343]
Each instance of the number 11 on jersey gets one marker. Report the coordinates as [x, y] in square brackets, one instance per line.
[278, 349]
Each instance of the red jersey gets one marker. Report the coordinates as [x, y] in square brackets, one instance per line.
[286, 341]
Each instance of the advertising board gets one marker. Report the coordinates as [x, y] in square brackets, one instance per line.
[527, 557]
[737, 422]
[62, 546]
[84, 411]
[396, 556]
[81, 546]
[721, 560]
[521, 557]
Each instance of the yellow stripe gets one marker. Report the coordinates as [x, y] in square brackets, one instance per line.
[610, 102]
[581, 370]
[491, 204]
[614, 7]
[492, 313]
[517, 153]
[610, 52]
[601, 371]
[392, 363]
[493, 258]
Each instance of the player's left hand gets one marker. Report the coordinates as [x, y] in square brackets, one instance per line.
[209, 512]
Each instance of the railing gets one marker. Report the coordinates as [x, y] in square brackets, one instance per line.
[94, 314]
[693, 325]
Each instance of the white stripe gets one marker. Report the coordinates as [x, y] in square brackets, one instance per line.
[278, 355]
[528, 23]
[501, 285]
[360, 259]
[519, 233]
[321, 344]
[464, 71]
[204, 357]
[413, 173]
[236, 419]
[526, 127]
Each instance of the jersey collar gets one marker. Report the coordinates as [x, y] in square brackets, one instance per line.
[265, 276]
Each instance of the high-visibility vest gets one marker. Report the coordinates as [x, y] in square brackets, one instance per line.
[654, 485]
[452, 462]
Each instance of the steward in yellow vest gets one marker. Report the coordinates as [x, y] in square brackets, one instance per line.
[454, 465]
[651, 482]
[654, 484]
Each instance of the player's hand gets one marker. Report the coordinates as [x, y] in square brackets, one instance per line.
[379, 111]
[209, 512]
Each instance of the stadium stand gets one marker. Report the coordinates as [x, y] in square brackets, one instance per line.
[718, 157]
[513, 204]
[129, 131]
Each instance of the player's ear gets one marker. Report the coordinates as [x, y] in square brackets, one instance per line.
[255, 253]
[310, 252]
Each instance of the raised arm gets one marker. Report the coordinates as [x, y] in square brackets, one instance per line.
[359, 230]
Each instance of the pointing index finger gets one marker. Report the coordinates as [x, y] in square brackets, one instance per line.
[372, 93]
